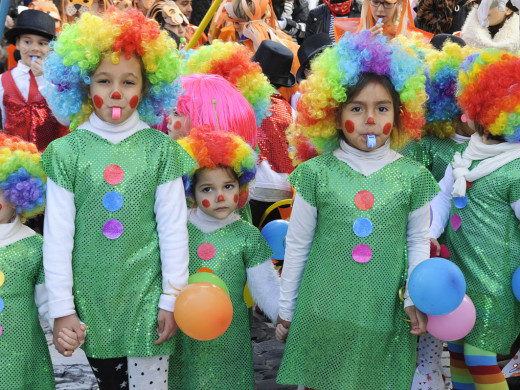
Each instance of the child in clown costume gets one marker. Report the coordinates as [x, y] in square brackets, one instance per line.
[23, 346]
[359, 224]
[232, 249]
[480, 207]
[116, 242]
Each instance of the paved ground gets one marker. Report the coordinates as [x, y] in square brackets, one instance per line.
[74, 373]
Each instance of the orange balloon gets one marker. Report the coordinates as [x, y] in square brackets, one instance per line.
[203, 311]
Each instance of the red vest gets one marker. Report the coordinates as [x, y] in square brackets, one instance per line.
[31, 120]
[271, 136]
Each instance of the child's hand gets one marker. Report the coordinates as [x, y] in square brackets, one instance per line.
[69, 340]
[70, 322]
[36, 67]
[418, 319]
[377, 29]
[282, 329]
[167, 326]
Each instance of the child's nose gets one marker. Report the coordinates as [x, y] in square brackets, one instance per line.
[220, 198]
[116, 95]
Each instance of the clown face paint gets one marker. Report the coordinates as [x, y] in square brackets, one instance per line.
[387, 128]
[216, 192]
[349, 126]
[98, 101]
[206, 203]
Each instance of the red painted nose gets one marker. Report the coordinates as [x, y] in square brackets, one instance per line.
[220, 198]
[116, 95]
[370, 120]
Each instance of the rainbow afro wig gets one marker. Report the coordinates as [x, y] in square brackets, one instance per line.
[442, 111]
[489, 92]
[233, 62]
[336, 70]
[212, 149]
[21, 177]
[82, 45]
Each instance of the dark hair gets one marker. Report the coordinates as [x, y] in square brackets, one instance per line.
[481, 131]
[364, 80]
[230, 171]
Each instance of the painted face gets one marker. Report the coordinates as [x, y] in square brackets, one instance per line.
[370, 112]
[31, 45]
[185, 7]
[7, 209]
[387, 11]
[179, 125]
[116, 89]
[216, 192]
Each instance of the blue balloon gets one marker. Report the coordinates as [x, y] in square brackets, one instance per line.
[274, 233]
[437, 286]
[516, 283]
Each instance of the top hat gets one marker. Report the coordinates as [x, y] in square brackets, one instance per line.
[312, 46]
[439, 39]
[32, 21]
[276, 61]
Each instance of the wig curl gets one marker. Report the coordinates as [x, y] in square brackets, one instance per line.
[21, 177]
[80, 48]
[442, 111]
[336, 70]
[234, 62]
[489, 92]
[212, 149]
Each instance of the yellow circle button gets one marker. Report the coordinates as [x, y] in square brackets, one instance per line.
[2, 278]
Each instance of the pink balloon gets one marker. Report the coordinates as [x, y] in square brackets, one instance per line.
[455, 325]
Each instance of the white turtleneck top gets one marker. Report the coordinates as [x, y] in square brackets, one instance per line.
[304, 218]
[170, 215]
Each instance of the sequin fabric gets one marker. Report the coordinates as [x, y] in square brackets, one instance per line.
[486, 247]
[25, 362]
[348, 319]
[434, 153]
[271, 136]
[31, 120]
[116, 260]
[226, 362]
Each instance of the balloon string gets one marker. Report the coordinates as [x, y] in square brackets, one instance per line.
[176, 289]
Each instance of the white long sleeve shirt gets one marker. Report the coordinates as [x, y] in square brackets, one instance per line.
[170, 215]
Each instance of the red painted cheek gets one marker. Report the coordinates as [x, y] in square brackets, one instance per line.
[206, 203]
[387, 129]
[98, 101]
[177, 125]
[370, 120]
[220, 198]
[134, 101]
[349, 126]
[3, 206]
[116, 95]
[235, 198]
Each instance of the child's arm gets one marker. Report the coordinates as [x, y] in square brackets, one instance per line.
[2, 108]
[264, 285]
[171, 216]
[441, 205]
[298, 246]
[59, 230]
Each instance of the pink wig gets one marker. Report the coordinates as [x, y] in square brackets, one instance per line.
[205, 93]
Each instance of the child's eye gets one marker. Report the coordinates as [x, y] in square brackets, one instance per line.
[103, 81]
[356, 109]
[229, 186]
[128, 82]
[44, 44]
[383, 109]
[206, 189]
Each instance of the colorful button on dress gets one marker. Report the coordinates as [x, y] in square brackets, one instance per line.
[349, 329]
[116, 260]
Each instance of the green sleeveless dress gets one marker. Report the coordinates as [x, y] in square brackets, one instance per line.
[25, 362]
[116, 260]
[349, 329]
[227, 361]
[486, 247]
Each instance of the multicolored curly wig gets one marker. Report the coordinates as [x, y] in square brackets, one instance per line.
[82, 45]
[212, 149]
[335, 71]
[21, 177]
[442, 111]
[233, 62]
[489, 92]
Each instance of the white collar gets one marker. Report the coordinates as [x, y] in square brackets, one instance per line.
[115, 133]
[207, 223]
[22, 67]
[14, 231]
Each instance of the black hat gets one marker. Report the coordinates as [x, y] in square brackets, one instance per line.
[32, 21]
[312, 46]
[439, 39]
[276, 61]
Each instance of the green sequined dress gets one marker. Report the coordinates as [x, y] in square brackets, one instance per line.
[349, 329]
[434, 153]
[227, 361]
[486, 247]
[25, 362]
[116, 260]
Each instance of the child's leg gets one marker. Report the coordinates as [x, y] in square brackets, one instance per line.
[428, 371]
[110, 373]
[460, 375]
[148, 372]
[484, 369]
